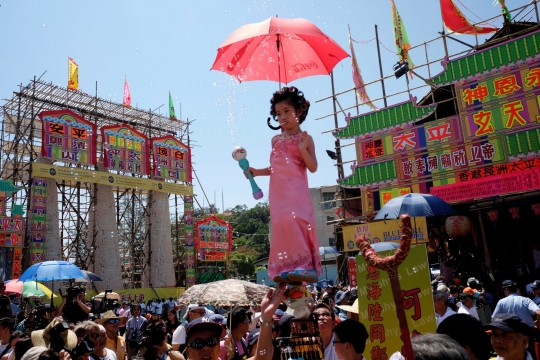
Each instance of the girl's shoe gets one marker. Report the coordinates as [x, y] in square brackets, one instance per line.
[299, 275]
[281, 278]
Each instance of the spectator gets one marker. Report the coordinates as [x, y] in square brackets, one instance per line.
[467, 306]
[6, 329]
[134, 328]
[114, 342]
[473, 288]
[172, 323]
[350, 340]
[252, 341]
[125, 312]
[535, 287]
[194, 312]
[15, 336]
[341, 298]
[510, 337]
[442, 310]
[325, 320]
[5, 303]
[351, 310]
[236, 342]
[437, 347]
[516, 305]
[469, 333]
[100, 346]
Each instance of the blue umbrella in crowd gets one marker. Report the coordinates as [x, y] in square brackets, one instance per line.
[88, 277]
[414, 205]
[52, 270]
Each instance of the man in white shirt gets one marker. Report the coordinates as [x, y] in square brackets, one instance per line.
[442, 311]
[100, 350]
[350, 340]
[158, 307]
[6, 328]
[134, 329]
[467, 306]
[194, 311]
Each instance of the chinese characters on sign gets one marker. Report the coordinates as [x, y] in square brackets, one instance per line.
[39, 202]
[377, 310]
[68, 137]
[213, 239]
[125, 150]
[189, 253]
[172, 159]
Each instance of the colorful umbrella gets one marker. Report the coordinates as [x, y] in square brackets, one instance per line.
[52, 270]
[278, 49]
[88, 277]
[230, 292]
[27, 288]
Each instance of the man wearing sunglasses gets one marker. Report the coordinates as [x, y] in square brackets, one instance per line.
[202, 336]
[111, 323]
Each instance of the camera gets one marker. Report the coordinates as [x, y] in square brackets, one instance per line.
[86, 346]
[55, 334]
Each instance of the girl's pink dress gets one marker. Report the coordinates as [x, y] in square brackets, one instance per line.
[294, 242]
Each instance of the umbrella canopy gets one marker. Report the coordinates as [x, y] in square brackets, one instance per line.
[328, 252]
[230, 292]
[110, 296]
[414, 205]
[52, 270]
[278, 49]
[27, 288]
[88, 277]
[15, 309]
[383, 246]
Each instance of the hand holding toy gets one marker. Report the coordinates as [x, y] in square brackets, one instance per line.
[239, 154]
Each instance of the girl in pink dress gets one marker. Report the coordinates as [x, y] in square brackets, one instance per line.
[294, 249]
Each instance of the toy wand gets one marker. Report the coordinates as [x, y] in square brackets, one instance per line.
[239, 154]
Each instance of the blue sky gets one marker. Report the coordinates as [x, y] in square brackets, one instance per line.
[164, 46]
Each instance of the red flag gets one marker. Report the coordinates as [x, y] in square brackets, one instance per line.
[455, 21]
[127, 94]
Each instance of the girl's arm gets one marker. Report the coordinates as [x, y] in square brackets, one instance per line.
[259, 172]
[307, 149]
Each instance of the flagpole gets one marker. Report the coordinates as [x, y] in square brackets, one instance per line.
[443, 32]
[380, 64]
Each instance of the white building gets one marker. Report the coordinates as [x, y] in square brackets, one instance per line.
[324, 210]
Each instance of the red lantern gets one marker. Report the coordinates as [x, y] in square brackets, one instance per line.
[458, 226]
[514, 211]
[536, 209]
[493, 215]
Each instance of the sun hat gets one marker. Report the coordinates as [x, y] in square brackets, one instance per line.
[350, 308]
[110, 315]
[43, 337]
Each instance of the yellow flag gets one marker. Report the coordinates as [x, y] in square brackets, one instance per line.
[73, 75]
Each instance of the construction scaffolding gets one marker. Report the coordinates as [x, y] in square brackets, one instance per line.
[21, 141]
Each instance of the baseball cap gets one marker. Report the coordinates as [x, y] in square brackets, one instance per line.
[218, 319]
[508, 283]
[472, 279]
[253, 336]
[509, 323]
[465, 296]
[443, 288]
[203, 324]
[192, 307]
[535, 284]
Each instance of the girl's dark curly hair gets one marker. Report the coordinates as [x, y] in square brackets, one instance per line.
[294, 97]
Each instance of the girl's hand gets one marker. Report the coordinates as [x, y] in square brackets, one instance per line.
[250, 170]
[303, 141]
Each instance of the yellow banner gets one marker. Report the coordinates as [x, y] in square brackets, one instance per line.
[73, 75]
[382, 231]
[134, 295]
[377, 309]
[107, 178]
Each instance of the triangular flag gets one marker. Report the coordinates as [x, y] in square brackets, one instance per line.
[127, 94]
[73, 75]
[400, 35]
[455, 21]
[172, 114]
[357, 79]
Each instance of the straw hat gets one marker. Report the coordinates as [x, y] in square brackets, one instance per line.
[43, 337]
[350, 308]
[110, 315]
[34, 352]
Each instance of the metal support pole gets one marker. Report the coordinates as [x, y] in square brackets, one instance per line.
[485, 244]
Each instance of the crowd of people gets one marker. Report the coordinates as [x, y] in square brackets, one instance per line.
[168, 330]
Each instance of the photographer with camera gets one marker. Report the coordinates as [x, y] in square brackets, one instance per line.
[73, 309]
[134, 329]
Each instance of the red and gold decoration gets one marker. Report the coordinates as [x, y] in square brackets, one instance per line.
[213, 239]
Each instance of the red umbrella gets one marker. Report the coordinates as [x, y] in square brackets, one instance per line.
[279, 50]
